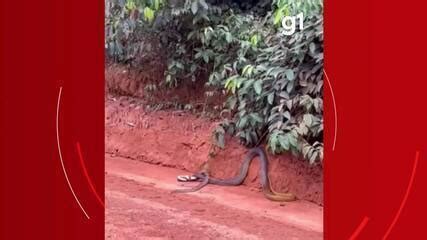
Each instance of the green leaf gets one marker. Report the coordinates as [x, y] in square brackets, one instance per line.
[205, 57]
[290, 74]
[198, 54]
[289, 104]
[230, 83]
[130, 5]
[290, 87]
[179, 65]
[247, 83]
[261, 68]
[254, 40]
[256, 117]
[156, 4]
[204, 4]
[284, 142]
[194, 6]
[247, 70]
[228, 37]
[312, 47]
[278, 15]
[258, 86]
[270, 98]
[284, 95]
[232, 102]
[313, 157]
[240, 81]
[293, 141]
[148, 14]
[274, 141]
[275, 71]
[242, 122]
[308, 120]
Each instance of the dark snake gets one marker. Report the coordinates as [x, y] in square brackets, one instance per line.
[269, 193]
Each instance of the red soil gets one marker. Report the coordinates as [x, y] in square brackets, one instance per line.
[182, 140]
[141, 206]
[131, 82]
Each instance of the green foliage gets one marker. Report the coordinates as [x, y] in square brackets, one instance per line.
[293, 7]
[130, 34]
[273, 82]
[284, 89]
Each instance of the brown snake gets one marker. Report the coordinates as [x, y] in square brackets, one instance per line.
[269, 193]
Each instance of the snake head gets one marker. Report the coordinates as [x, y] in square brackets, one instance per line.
[200, 175]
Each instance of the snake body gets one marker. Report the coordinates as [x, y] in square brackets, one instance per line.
[204, 182]
[243, 172]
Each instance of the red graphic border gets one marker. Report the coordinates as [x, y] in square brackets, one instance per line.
[374, 54]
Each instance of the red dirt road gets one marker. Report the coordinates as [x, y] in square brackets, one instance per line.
[139, 205]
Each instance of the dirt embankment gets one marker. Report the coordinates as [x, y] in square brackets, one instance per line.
[182, 140]
[146, 85]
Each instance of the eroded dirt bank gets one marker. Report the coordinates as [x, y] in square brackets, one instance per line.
[182, 140]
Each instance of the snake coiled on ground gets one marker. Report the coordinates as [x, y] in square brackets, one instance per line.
[269, 193]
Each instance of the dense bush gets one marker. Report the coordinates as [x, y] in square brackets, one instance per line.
[273, 81]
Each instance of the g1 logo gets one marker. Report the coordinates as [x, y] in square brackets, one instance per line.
[289, 23]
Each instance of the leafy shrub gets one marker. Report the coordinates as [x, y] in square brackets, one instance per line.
[131, 36]
[281, 89]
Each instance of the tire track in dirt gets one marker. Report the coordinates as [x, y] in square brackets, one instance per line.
[183, 219]
[143, 208]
